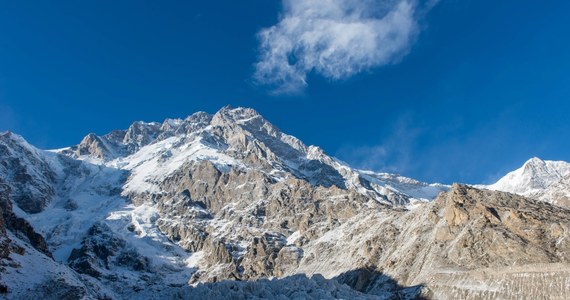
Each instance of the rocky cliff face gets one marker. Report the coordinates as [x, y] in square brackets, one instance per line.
[4, 239]
[27, 268]
[243, 218]
[17, 226]
[213, 205]
[464, 232]
[29, 174]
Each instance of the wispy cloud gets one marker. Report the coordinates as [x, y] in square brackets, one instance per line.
[395, 154]
[334, 38]
[8, 120]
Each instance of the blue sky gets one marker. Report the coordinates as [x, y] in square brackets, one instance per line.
[453, 91]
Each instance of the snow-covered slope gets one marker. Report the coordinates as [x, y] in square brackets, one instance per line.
[88, 225]
[539, 179]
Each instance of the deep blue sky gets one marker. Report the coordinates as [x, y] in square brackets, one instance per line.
[485, 86]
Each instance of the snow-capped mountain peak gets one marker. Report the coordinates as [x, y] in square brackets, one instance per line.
[537, 178]
[235, 115]
[235, 138]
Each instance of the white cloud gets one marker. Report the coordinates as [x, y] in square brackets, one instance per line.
[334, 38]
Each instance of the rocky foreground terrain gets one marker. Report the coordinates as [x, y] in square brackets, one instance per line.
[227, 206]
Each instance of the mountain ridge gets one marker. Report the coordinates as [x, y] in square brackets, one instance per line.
[186, 207]
[545, 180]
[232, 129]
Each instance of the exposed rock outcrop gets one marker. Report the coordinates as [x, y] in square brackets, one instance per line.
[18, 226]
[464, 231]
[100, 248]
[198, 200]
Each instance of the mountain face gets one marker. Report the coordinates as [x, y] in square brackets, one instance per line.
[236, 139]
[211, 206]
[538, 179]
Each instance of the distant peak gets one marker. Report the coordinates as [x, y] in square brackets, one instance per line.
[237, 110]
[90, 139]
[534, 165]
[199, 117]
[15, 139]
[172, 122]
[535, 160]
[12, 136]
[236, 114]
[90, 136]
[144, 124]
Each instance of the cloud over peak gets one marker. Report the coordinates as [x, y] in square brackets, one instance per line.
[334, 38]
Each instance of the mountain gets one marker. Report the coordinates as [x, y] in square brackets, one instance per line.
[228, 206]
[539, 179]
[238, 139]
